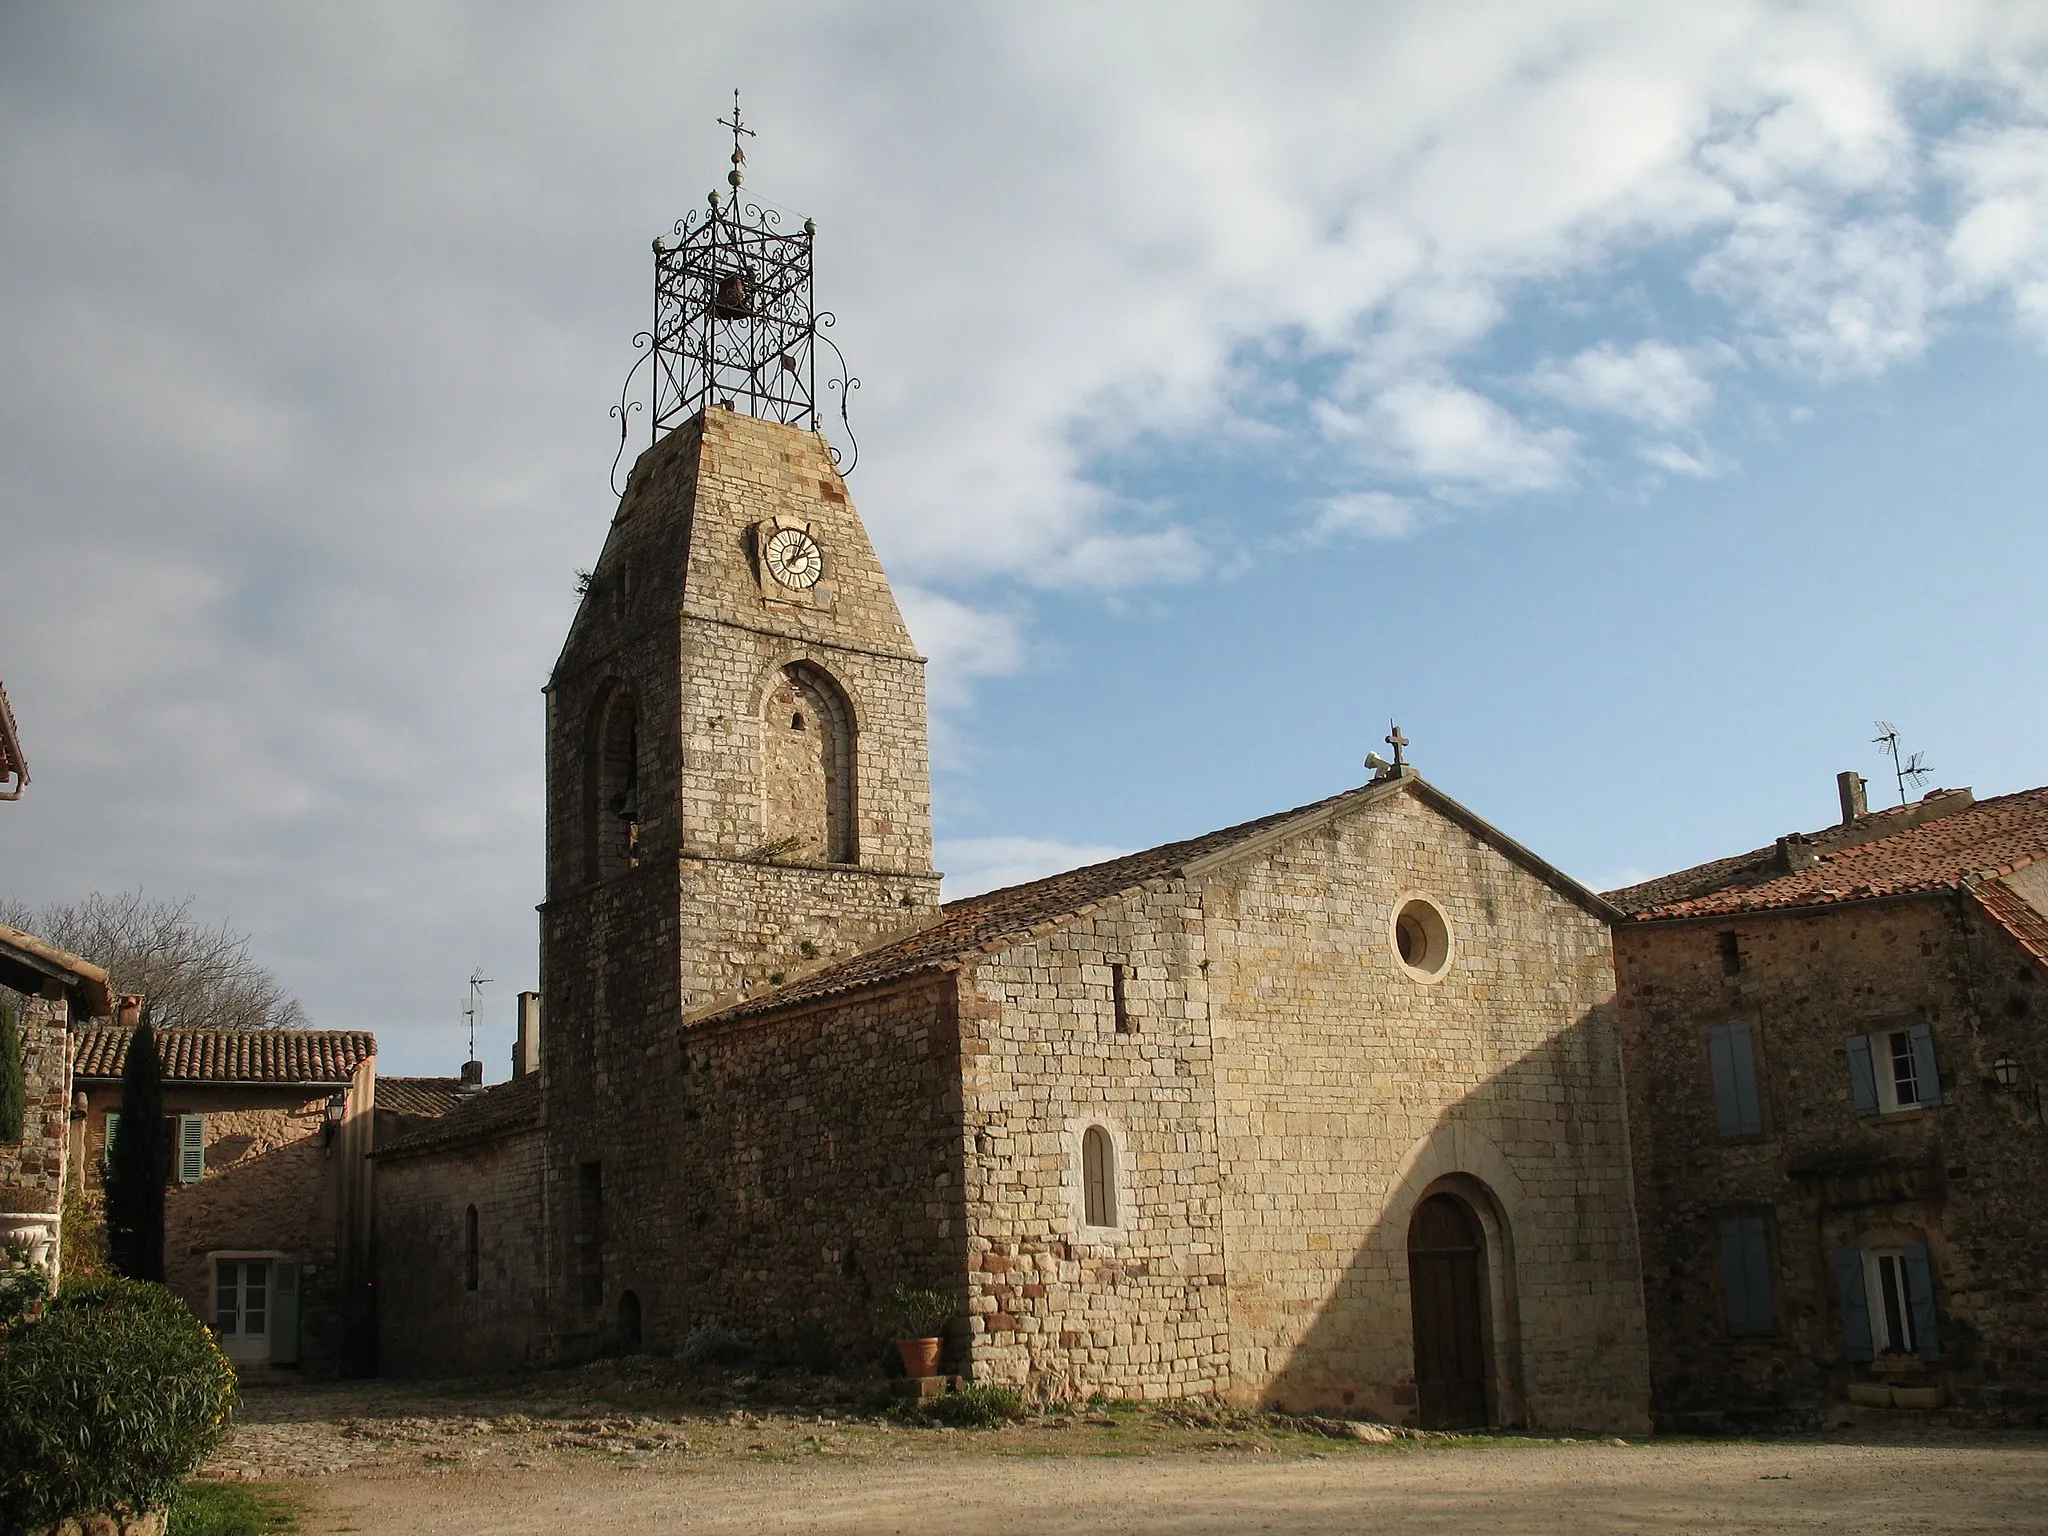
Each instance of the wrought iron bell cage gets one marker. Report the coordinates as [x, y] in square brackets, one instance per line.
[736, 325]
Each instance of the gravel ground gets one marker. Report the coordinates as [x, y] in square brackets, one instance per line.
[628, 1447]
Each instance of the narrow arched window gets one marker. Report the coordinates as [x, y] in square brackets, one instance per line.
[1098, 1178]
[471, 1265]
[611, 786]
[808, 768]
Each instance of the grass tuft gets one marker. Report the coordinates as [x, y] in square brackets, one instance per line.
[233, 1509]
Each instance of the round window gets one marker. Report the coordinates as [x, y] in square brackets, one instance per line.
[1422, 938]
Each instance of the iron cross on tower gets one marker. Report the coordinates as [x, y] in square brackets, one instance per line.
[739, 127]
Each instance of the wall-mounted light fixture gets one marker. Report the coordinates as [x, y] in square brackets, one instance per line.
[337, 1109]
[2012, 1077]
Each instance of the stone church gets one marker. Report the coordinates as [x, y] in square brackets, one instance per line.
[1324, 1110]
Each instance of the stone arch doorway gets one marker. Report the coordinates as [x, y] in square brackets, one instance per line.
[1448, 1292]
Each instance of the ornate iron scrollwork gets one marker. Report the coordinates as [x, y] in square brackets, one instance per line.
[735, 324]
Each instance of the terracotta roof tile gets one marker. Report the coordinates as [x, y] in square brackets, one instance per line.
[2005, 907]
[232, 1055]
[419, 1096]
[496, 1111]
[1988, 838]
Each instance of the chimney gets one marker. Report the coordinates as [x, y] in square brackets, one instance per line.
[128, 1012]
[472, 1076]
[1796, 853]
[526, 1043]
[1854, 801]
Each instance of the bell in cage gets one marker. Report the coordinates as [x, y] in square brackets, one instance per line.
[734, 298]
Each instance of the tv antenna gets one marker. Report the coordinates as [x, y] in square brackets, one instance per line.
[1911, 767]
[477, 982]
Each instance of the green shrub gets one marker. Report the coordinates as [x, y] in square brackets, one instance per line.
[922, 1314]
[975, 1407]
[107, 1401]
[24, 1287]
[13, 1086]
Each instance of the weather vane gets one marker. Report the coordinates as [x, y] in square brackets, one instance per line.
[738, 125]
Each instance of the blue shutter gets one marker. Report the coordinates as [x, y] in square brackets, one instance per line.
[1920, 1280]
[1749, 1116]
[191, 1148]
[1746, 1276]
[1862, 1079]
[1855, 1304]
[1721, 1053]
[1926, 1070]
[284, 1312]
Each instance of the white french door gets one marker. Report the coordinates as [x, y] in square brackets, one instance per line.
[242, 1308]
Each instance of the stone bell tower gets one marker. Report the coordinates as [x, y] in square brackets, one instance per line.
[738, 787]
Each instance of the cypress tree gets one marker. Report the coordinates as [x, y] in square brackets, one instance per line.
[13, 1088]
[139, 1164]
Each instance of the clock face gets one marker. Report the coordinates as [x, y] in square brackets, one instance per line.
[794, 559]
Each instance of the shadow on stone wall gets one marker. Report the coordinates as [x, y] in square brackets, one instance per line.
[1538, 1153]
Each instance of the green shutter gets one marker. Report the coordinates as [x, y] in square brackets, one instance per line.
[113, 1130]
[191, 1148]
[284, 1312]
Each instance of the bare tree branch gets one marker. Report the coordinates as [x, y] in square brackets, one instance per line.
[190, 973]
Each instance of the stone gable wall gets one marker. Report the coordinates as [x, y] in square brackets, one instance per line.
[429, 1323]
[1346, 1089]
[1965, 1177]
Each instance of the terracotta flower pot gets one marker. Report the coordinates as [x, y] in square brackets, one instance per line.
[920, 1356]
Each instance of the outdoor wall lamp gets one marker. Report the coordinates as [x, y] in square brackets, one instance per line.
[337, 1107]
[2012, 1077]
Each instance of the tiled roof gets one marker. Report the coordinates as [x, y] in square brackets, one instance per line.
[232, 1055]
[13, 765]
[497, 1111]
[1989, 838]
[996, 919]
[2004, 907]
[26, 963]
[976, 924]
[420, 1096]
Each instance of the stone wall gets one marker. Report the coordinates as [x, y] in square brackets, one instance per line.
[779, 1177]
[32, 1170]
[1965, 1177]
[1056, 1305]
[430, 1322]
[1281, 1095]
[271, 1187]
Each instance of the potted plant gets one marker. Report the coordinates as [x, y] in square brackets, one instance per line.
[923, 1316]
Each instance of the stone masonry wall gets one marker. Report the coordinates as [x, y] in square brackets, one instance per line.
[1346, 1088]
[32, 1169]
[794, 1173]
[429, 1322]
[1965, 1177]
[1057, 1306]
[269, 1188]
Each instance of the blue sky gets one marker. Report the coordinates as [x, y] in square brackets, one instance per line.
[1636, 402]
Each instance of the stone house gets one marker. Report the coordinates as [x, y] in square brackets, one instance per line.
[1835, 1047]
[56, 990]
[1323, 1110]
[267, 1218]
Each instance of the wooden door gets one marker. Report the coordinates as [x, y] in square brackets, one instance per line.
[1444, 1281]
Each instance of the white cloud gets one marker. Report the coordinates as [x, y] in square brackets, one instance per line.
[1369, 514]
[977, 864]
[1653, 383]
[1447, 436]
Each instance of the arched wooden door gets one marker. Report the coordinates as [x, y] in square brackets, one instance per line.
[1445, 1271]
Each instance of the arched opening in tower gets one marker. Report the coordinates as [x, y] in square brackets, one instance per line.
[808, 755]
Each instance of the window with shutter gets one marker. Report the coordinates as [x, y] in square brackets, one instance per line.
[1862, 1075]
[113, 1130]
[1746, 1276]
[1855, 1299]
[1731, 1052]
[284, 1312]
[1098, 1178]
[191, 1148]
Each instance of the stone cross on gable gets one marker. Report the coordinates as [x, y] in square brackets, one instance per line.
[1397, 741]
